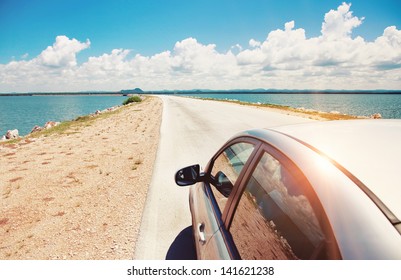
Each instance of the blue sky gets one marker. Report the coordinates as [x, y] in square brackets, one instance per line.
[150, 27]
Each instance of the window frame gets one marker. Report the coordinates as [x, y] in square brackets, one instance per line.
[221, 217]
[222, 213]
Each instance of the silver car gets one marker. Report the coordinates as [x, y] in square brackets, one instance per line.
[324, 190]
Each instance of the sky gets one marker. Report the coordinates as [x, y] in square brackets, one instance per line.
[96, 45]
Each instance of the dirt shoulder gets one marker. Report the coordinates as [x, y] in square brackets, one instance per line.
[79, 193]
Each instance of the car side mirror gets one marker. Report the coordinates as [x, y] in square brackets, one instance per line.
[223, 184]
[188, 175]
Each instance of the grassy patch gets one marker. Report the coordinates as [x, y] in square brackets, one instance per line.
[132, 99]
[62, 127]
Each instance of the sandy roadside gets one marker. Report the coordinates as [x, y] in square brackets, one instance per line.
[79, 194]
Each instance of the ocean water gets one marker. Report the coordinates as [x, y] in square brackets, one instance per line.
[388, 105]
[24, 112]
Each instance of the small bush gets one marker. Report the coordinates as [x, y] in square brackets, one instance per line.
[82, 118]
[132, 99]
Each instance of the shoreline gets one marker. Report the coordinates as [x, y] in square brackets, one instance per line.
[63, 94]
[210, 91]
[15, 131]
[77, 191]
[50, 126]
[301, 112]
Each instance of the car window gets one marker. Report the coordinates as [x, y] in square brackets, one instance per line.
[274, 218]
[226, 169]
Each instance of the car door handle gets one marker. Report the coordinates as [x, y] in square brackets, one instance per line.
[201, 233]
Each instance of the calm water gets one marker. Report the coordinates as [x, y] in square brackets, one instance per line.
[24, 112]
[388, 105]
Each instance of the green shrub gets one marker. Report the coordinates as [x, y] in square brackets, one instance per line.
[132, 99]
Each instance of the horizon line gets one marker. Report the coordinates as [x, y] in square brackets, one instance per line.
[200, 91]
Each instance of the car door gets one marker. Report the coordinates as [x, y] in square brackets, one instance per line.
[209, 199]
[277, 215]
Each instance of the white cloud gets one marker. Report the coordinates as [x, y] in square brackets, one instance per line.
[189, 56]
[106, 64]
[339, 23]
[286, 58]
[253, 43]
[237, 48]
[62, 53]
[289, 26]
[387, 50]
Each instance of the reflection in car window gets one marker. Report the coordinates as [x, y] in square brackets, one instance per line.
[274, 219]
[226, 169]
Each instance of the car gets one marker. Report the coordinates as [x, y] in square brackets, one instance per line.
[321, 190]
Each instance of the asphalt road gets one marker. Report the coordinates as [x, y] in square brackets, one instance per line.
[191, 132]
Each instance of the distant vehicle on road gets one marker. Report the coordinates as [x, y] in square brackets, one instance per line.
[325, 190]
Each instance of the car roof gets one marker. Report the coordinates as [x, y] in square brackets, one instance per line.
[369, 149]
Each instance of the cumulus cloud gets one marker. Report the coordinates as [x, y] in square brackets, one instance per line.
[339, 23]
[254, 43]
[190, 56]
[387, 50]
[286, 58]
[62, 53]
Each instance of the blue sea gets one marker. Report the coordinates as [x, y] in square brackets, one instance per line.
[388, 105]
[24, 112]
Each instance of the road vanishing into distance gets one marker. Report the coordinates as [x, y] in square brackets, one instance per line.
[192, 130]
